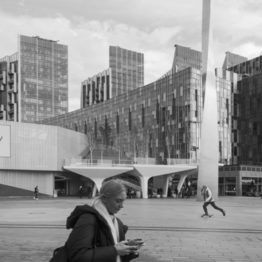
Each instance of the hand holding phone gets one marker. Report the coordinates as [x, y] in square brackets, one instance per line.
[135, 242]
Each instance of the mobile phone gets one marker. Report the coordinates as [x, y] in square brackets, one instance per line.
[135, 242]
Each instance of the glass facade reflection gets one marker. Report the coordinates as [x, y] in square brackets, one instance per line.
[127, 69]
[248, 112]
[43, 78]
[9, 88]
[125, 73]
[160, 120]
[37, 80]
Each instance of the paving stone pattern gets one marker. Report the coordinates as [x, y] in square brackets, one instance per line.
[171, 228]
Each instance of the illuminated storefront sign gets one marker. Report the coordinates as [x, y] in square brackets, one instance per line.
[5, 141]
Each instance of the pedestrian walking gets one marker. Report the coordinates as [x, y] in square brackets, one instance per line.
[36, 192]
[81, 191]
[97, 234]
[209, 200]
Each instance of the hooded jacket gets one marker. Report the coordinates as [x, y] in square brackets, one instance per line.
[91, 239]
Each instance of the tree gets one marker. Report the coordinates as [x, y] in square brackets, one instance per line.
[91, 142]
[146, 139]
[105, 132]
[168, 134]
[135, 140]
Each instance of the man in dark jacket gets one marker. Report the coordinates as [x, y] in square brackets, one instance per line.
[97, 235]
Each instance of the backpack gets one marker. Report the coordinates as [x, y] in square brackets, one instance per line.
[59, 255]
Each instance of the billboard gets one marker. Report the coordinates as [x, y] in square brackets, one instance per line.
[5, 141]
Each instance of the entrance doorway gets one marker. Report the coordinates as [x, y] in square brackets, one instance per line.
[61, 187]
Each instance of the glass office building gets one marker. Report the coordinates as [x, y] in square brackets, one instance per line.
[248, 98]
[245, 176]
[161, 121]
[9, 87]
[125, 73]
[127, 69]
[36, 80]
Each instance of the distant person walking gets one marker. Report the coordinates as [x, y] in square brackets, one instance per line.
[36, 192]
[208, 199]
[81, 191]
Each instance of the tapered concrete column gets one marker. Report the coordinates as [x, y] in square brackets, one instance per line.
[144, 186]
[165, 186]
[238, 185]
[162, 183]
[181, 182]
[98, 184]
[208, 162]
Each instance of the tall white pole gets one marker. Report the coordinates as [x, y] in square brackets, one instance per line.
[208, 162]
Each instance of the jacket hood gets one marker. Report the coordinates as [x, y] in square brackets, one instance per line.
[77, 212]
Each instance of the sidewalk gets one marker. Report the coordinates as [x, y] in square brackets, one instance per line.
[171, 228]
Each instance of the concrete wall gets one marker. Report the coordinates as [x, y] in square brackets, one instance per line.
[41, 147]
[25, 181]
[38, 153]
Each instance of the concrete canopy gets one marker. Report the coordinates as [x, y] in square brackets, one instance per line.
[145, 172]
[99, 173]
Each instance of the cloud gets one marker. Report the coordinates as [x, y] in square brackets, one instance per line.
[88, 45]
[151, 27]
[236, 26]
[248, 49]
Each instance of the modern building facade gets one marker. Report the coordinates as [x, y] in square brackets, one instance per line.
[232, 59]
[9, 88]
[186, 57]
[161, 121]
[34, 81]
[244, 177]
[248, 112]
[127, 69]
[125, 73]
[54, 159]
[33, 154]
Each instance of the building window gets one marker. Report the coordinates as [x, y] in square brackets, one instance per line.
[143, 115]
[174, 107]
[181, 90]
[157, 112]
[95, 129]
[107, 87]
[117, 123]
[129, 120]
[76, 127]
[196, 95]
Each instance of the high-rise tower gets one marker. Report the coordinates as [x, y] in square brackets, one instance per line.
[34, 81]
[125, 73]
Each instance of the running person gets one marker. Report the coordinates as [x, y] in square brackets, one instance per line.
[208, 199]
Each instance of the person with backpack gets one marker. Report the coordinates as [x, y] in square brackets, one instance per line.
[97, 234]
[208, 199]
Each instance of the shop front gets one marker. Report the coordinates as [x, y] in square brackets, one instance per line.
[240, 181]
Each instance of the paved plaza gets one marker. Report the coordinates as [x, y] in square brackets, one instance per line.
[171, 228]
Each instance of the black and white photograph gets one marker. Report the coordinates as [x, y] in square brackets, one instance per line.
[130, 131]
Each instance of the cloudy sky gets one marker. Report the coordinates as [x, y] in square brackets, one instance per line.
[153, 27]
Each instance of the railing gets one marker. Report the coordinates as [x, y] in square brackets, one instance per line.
[124, 162]
[98, 162]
